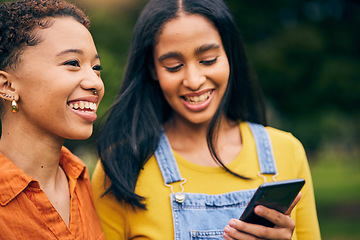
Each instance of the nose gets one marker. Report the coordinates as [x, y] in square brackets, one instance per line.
[92, 81]
[194, 78]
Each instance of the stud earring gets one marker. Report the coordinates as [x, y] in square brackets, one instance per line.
[14, 106]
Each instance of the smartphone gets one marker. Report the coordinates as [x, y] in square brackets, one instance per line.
[275, 195]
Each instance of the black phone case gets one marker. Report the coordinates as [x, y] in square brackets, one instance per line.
[274, 195]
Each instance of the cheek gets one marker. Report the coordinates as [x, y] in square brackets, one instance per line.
[168, 88]
[226, 76]
[221, 74]
[169, 83]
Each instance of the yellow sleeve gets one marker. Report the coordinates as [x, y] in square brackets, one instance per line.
[307, 226]
[111, 213]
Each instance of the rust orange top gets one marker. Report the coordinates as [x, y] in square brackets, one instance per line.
[26, 212]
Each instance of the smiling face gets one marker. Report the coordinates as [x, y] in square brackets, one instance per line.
[192, 68]
[55, 82]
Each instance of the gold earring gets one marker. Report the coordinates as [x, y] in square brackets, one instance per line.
[14, 106]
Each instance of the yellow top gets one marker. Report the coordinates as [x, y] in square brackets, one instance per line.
[120, 221]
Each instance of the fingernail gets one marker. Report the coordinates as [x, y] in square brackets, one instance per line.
[232, 223]
[259, 209]
[227, 229]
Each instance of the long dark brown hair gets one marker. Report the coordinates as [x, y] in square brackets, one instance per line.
[131, 132]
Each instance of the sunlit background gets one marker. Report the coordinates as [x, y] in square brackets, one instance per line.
[306, 54]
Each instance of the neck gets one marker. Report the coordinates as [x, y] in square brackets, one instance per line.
[37, 153]
[37, 156]
[195, 132]
[190, 141]
[178, 129]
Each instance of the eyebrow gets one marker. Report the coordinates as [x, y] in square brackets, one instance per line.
[78, 51]
[198, 51]
[169, 55]
[206, 47]
[70, 51]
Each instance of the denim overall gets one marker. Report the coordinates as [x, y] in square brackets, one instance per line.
[204, 216]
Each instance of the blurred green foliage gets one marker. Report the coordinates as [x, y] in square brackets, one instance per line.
[336, 179]
[305, 54]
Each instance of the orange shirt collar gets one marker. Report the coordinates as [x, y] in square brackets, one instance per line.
[13, 180]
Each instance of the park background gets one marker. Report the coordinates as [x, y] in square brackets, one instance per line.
[306, 54]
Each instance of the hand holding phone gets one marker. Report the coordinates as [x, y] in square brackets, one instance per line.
[275, 195]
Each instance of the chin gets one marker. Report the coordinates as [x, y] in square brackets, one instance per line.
[81, 135]
[200, 119]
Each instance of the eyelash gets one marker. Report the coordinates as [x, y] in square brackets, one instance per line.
[174, 69]
[209, 62]
[75, 63]
[97, 68]
[206, 63]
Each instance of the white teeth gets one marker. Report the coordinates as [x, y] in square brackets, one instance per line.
[92, 106]
[83, 105]
[198, 99]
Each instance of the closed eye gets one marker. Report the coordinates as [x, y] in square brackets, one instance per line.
[174, 69]
[209, 62]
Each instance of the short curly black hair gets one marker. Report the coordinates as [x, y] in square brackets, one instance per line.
[20, 19]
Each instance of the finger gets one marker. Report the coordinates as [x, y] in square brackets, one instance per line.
[226, 233]
[237, 230]
[247, 231]
[297, 199]
[279, 219]
[254, 231]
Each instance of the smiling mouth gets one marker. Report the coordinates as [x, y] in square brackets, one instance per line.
[198, 99]
[84, 106]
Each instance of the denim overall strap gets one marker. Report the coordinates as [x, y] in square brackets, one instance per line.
[170, 171]
[201, 216]
[264, 149]
[166, 161]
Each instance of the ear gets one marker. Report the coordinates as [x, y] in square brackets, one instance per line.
[6, 91]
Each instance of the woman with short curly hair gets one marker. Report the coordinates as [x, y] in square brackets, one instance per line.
[50, 85]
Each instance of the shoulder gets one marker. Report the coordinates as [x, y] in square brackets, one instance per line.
[98, 180]
[283, 138]
[278, 137]
[289, 153]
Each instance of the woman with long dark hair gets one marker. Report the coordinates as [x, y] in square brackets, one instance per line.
[178, 153]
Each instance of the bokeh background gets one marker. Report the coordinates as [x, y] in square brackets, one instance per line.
[306, 54]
